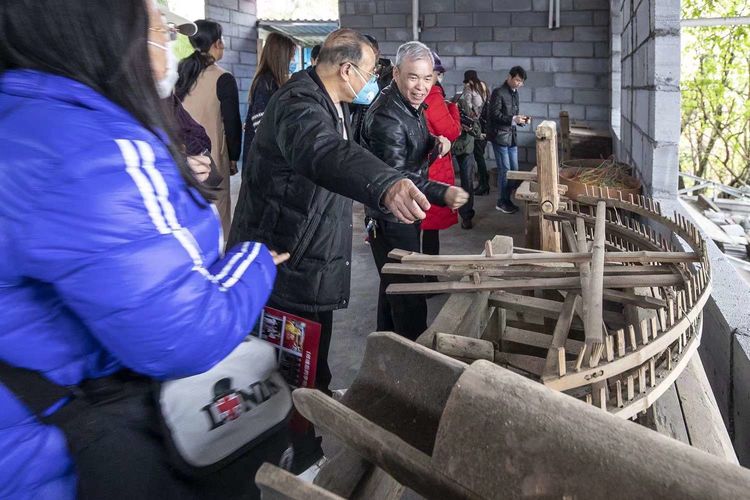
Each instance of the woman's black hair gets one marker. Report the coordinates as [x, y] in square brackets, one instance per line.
[100, 44]
[192, 66]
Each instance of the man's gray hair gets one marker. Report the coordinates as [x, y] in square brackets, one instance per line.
[413, 51]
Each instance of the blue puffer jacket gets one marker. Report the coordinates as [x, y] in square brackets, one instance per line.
[107, 260]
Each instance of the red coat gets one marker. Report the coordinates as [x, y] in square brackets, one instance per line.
[442, 119]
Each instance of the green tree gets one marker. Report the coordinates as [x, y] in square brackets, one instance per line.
[715, 88]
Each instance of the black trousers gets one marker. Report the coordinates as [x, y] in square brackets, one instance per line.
[405, 315]
[431, 241]
[325, 318]
[466, 164]
[479, 148]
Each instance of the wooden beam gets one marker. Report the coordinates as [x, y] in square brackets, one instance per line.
[560, 335]
[530, 271]
[593, 318]
[570, 283]
[643, 257]
[547, 172]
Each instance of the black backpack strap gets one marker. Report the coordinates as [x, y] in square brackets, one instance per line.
[33, 389]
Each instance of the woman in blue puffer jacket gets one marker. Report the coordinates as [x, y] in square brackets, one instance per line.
[110, 256]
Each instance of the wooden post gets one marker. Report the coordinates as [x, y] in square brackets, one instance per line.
[547, 172]
[565, 135]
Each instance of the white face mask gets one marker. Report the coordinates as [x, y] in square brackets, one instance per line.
[440, 77]
[165, 86]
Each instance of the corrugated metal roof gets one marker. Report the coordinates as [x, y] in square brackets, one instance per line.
[305, 32]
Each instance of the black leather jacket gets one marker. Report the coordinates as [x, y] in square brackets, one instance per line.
[503, 107]
[397, 133]
[297, 189]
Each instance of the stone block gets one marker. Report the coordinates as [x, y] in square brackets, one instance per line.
[587, 96]
[227, 4]
[597, 113]
[576, 18]
[741, 391]
[492, 48]
[243, 19]
[249, 58]
[457, 20]
[563, 34]
[230, 57]
[505, 63]
[497, 20]
[535, 110]
[641, 108]
[473, 34]
[397, 7]
[666, 16]
[575, 80]
[438, 35]
[510, 6]
[665, 54]
[553, 95]
[449, 62]
[356, 22]
[642, 22]
[455, 48]
[537, 79]
[532, 49]
[510, 34]
[429, 21]
[218, 14]
[473, 5]
[601, 49]
[389, 21]
[591, 65]
[365, 8]
[244, 44]
[248, 7]
[591, 33]
[529, 19]
[664, 116]
[397, 34]
[388, 49]
[602, 18]
[552, 64]
[377, 33]
[575, 111]
[572, 49]
[591, 5]
[243, 70]
[427, 6]
[472, 62]
[665, 165]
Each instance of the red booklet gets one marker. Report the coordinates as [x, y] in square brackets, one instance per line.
[296, 340]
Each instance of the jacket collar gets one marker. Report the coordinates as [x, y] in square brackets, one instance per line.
[310, 72]
[398, 97]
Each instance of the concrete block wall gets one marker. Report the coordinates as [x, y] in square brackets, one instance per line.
[568, 67]
[650, 94]
[238, 19]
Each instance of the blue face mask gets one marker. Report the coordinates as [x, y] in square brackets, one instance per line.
[368, 92]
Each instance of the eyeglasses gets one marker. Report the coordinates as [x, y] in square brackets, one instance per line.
[170, 30]
[360, 69]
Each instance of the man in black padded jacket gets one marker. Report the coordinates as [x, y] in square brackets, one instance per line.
[303, 172]
[395, 130]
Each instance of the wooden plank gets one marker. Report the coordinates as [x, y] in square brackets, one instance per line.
[529, 284]
[703, 421]
[402, 461]
[593, 295]
[560, 335]
[276, 483]
[529, 364]
[464, 348]
[520, 175]
[542, 307]
[542, 340]
[643, 257]
[547, 172]
[633, 299]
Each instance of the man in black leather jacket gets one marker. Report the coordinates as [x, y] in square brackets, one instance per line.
[504, 116]
[395, 130]
[301, 177]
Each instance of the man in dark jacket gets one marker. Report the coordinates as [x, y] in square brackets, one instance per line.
[395, 130]
[304, 171]
[503, 119]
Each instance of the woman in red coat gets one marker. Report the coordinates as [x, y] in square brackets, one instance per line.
[442, 119]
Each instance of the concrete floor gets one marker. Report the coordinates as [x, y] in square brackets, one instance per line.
[353, 325]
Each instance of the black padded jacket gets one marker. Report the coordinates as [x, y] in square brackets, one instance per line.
[397, 133]
[297, 191]
[504, 106]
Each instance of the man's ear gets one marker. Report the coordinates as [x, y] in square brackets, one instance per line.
[395, 72]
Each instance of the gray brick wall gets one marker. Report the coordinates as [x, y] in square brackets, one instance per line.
[237, 18]
[649, 72]
[568, 67]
